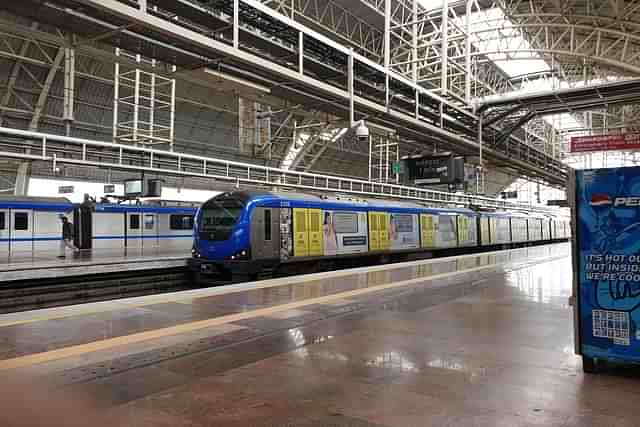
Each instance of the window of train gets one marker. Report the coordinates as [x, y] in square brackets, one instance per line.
[267, 225]
[181, 222]
[2, 221]
[402, 223]
[134, 222]
[21, 221]
[222, 215]
[149, 222]
[345, 222]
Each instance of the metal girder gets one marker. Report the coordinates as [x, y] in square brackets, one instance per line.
[55, 150]
[529, 37]
[502, 136]
[46, 87]
[365, 38]
[549, 102]
[15, 71]
[301, 162]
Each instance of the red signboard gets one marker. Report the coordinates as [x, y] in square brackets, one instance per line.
[623, 142]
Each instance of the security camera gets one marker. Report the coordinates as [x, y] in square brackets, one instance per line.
[362, 132]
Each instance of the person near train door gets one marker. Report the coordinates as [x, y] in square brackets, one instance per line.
[67, 237]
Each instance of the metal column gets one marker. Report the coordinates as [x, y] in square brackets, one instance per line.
[350, 79]
[445, 47]
[387, 48]
[467, 54]
[69, 88]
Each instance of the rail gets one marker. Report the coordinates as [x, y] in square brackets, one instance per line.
[56, 149]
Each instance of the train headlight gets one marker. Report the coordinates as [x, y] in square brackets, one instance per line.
[241, 255]
[195, 253]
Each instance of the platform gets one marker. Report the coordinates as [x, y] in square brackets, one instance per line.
[475, 340]
[89, 262]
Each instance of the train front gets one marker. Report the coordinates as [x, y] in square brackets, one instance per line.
[222, 236]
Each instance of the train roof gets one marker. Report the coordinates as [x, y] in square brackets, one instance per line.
[338, 201]
[114, 207]
[499, 214]
[39, 203]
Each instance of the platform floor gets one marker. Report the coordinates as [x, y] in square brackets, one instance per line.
[482, 340]
[27, 267]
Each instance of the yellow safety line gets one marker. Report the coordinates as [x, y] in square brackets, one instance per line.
[76, 350]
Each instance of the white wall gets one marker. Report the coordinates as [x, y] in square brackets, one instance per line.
[49, 188]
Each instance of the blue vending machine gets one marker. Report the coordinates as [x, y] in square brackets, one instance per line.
[606, 264]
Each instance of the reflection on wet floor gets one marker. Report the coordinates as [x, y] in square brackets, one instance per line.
[548, 283]
[490, 347]
[123, 318]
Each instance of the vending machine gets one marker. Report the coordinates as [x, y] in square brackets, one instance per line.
[606, 264]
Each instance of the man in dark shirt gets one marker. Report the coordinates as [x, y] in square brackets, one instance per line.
[67, 237]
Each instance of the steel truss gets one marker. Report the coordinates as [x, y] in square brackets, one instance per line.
[249, 40]
[344, 26]
[60, 150]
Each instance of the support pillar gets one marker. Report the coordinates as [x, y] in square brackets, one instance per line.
[467, 54]
[445, 48]
[22, 179]
[69, 88]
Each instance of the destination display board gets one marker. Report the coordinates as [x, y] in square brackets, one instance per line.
[434, 169]
[619, 142]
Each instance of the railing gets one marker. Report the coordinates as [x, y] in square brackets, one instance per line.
[26, 145]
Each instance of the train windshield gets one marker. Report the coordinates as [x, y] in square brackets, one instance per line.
[219, 217]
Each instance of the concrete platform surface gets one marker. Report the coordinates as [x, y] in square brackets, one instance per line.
[89, 262]
[480, 340]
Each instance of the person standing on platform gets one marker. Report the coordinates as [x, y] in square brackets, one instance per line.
[67, 237]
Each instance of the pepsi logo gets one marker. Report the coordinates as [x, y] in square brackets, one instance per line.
[600, 199]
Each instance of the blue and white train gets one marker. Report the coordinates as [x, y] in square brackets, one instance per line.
[248, 233]
[30, 226]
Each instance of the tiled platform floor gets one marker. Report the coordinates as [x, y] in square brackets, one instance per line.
[477, 341]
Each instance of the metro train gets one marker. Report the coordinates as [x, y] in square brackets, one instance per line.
[260, 233]
[30, 226]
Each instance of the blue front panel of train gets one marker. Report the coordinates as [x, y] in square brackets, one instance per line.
[221, 250]
[224, 249]
[608, 221]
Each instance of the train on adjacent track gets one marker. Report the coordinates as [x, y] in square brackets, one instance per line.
[263, 233]
[30, 226]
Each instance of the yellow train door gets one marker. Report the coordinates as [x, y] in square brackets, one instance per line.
[463, 230]
[484, 231]
[493, 227]
[374, 241]
[427, 232]
[300, 233]
[383, 231]
[314, 225]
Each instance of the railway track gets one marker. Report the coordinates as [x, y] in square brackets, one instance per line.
[36, 294]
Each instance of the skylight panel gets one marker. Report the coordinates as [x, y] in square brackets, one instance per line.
[431, 4]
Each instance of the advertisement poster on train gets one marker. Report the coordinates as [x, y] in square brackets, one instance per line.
[286, 239]
[344, 232]
[446, 232]
[403, 231]
[608, 241]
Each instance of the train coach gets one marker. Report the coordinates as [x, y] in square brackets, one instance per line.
[252, 233]
[30, 226]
